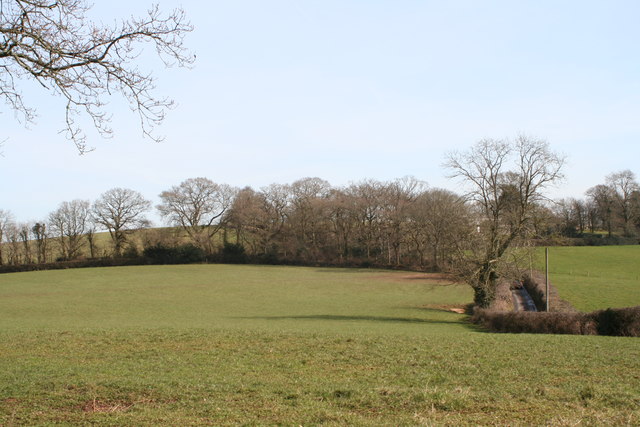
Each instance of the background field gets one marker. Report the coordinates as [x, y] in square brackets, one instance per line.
[593, 278]
[227, 296]
[214, 344]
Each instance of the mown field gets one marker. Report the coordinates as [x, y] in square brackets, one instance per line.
[228, 345]
[595, 277]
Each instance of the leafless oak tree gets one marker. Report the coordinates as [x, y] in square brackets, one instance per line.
[198, 205]
[54, 43]
[506, 181]
[69, 223]
[120, 210]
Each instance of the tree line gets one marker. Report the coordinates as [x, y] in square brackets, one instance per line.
[395, 223]
[613, 206]
[398, 223]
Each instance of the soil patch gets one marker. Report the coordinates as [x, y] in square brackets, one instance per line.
[439, 278]
[455, 308]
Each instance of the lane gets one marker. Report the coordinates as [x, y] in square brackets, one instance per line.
[522, 301]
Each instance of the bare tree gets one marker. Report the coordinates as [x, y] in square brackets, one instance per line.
[248, 218]
[198, 206]
[342, 220]
[579, 208]
[564, 217]
[54, 43]
[275, 228]
[24, 234]
[12, 240]
[6, 219]
[367, 206]
[603, 198]
[635, 208]
[119, 211]
[397, 197]
[624, 186]
[69, 223]
[591, 215]
[438, 221]
[307, 214]
[506, 180]
[571, 216]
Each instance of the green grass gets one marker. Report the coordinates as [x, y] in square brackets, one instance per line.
[593, 278]
[223, 296]
[228, 345]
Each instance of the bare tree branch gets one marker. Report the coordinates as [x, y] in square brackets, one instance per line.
[53, 43]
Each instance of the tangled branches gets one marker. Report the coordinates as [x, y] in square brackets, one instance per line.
[54, 43]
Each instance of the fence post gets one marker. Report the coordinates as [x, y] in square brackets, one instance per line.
[546, 274]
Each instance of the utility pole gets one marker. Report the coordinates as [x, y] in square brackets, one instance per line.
[546, 275]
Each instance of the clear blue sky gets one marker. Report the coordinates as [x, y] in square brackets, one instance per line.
[346, 90]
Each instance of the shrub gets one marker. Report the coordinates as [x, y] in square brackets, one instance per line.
[131, 252]
[269, 258]
[83, 263]
[233, 253]
[615, 322]
[533, 322]
[183, 254]
[624, 322]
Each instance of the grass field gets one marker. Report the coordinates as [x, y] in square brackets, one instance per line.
[597, 277]
[228, 345]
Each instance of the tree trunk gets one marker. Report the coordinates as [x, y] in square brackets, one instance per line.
[484, 290]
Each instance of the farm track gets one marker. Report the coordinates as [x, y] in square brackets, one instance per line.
[522, 301]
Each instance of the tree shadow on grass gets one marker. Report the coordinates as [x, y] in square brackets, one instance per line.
[334, 270]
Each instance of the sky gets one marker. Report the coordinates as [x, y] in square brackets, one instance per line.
[347, 90]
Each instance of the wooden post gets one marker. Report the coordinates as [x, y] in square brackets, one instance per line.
[546, 278]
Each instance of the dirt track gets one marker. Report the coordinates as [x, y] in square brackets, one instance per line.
[522, 300]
